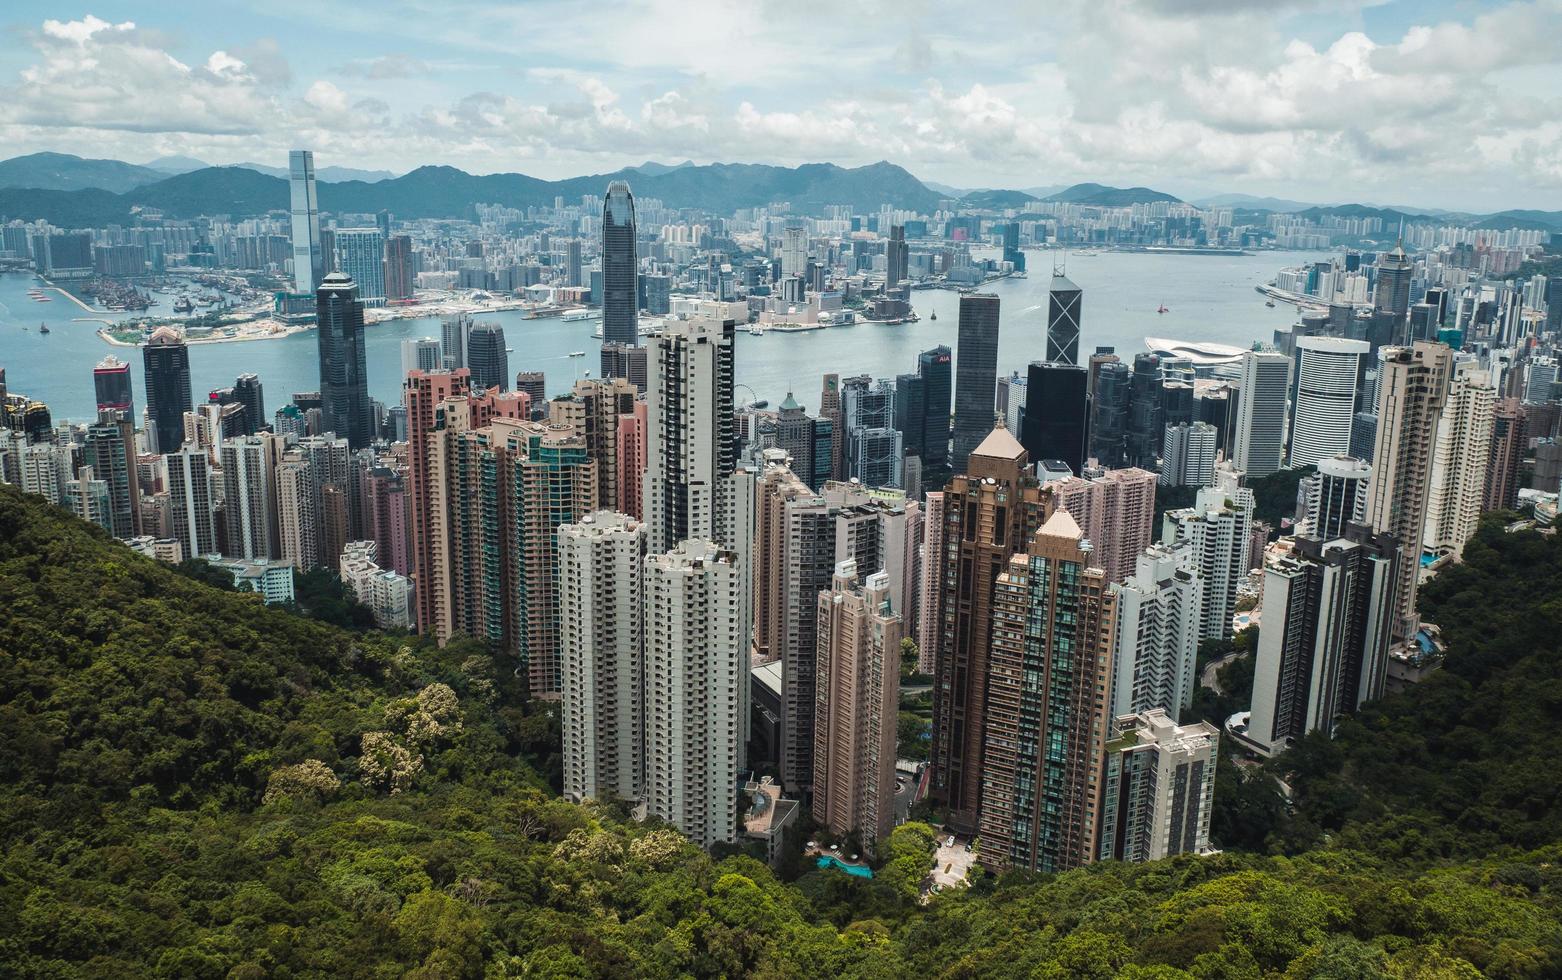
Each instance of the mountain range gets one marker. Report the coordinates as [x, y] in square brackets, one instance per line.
[74, 192]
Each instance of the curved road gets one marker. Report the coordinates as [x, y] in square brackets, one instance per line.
[1208, 678]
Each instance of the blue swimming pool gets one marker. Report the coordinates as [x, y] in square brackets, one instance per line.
[831, 861]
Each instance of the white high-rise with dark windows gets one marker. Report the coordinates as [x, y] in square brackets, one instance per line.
[696, 688]
[602, 654]
[1328, 370]
[1261, 413]
[309, 265]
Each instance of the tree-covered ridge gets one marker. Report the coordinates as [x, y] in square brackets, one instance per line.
[1462, 764]
[198, 786]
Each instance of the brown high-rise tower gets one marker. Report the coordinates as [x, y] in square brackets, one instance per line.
[989, 514]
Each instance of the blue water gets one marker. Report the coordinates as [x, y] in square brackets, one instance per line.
[858, 871]
[1209, 298]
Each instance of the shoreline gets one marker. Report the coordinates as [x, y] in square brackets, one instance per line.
[278, 329]
[72, 297]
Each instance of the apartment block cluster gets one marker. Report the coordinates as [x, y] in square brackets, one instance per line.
[718, 596]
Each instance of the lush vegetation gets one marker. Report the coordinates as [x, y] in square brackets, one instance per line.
[1460, 765]
[1274, 495]
[198, 786]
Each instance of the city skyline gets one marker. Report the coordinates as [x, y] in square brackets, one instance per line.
[1326, 103]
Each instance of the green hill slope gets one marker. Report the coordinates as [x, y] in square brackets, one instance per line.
[198, 786]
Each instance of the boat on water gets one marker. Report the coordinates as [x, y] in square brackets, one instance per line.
[1269, 303]
[933, 315]
[756, 330]
[577, 353]
[581, 314]
[1162, 309]
[43, 328]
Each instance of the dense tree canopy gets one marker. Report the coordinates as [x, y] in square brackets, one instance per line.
[197, 786]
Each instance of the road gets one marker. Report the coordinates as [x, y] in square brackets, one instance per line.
[1208, 678]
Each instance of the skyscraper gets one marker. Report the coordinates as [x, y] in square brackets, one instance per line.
[896, 257]
[602, 656]
[625, 361]
[593, 409]
[696, 684]
[976, 375]
[934, 368]
[308, 258]
[1327, 614]
[873, 443]
[1261, 413]
[572, 262]
[692, 447]
[1056, 415]
[794, 550]
[620, 267]
[1216, 528]
[1144, 426]
[1064, 300]
[249, 508]
[298, 517]
[1116, 511]
[1460, 457]
[830, 408]
[630, 447]
[399, 274]
[857, 700]
[360, 256]
[1324, 403]
[453, 331]
[1046, 724]
[809, 441]
[989, 514]
[1157, 645]
[422, 393]
[190, 498]
[111, 384]
[111, 452]
[486, 357]
[1109, 413]
[249, 392]
[1508, 444]
[1159, 788]
[421, 354]
[1188, 455]
[1412, 387]
[167, 370]
[344, 381]
[1391, 294]
[534, 385]
[1333, 497]
[794, 248]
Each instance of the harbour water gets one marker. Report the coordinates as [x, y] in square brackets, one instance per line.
[1208, 298]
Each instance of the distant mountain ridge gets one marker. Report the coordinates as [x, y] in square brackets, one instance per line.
[325, 175]
[445, 192]
[1110, 197]
[75, 192]
[68, 172]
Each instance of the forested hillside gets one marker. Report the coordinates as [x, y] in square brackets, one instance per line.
[197, 786]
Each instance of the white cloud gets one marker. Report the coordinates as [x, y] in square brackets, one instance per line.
[1303, 100]
[80, 31]
[327, 98]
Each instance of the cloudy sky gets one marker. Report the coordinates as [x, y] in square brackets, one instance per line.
[1440, 103]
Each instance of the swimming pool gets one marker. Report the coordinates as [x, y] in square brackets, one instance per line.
[861, 871]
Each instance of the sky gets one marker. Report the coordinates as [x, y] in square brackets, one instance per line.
[1444, 103]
